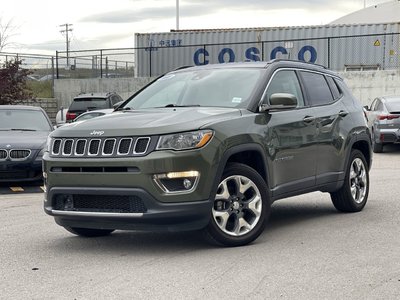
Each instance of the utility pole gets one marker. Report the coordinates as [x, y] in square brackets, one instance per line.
[66, 30]
[177, 14]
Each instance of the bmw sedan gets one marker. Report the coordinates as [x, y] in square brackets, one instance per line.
[23, 135]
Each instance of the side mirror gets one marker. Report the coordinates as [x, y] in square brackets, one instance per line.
[367, 108]
[280, 101]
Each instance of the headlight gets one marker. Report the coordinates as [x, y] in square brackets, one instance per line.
[48, 144]
[184, 140]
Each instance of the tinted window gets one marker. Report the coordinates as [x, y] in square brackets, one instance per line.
[317, 88]
[88, 104]
[285, 82]
[334, 88]
[23, 119]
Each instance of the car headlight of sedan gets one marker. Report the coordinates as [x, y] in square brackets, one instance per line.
[185, 140]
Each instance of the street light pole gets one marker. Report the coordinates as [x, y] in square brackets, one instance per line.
[177, 14]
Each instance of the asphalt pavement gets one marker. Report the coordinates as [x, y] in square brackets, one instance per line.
[307, 251]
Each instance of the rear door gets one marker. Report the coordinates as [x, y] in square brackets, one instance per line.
[325, 97]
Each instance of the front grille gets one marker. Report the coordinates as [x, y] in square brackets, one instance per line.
[99, 203]
[20, 154]
[3, 154]
[14, 154]
[102, 147]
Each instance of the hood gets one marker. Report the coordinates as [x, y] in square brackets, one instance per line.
[23, 139]
[153, 121]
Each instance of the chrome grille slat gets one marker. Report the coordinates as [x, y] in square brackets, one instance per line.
[94, 146]
[108, 147]
[67, 147]
[141, 145]
[80, 147]
[124, 146]
[101, 147]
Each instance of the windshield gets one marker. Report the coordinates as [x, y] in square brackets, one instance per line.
[29, 120]
[207, 87]
[88, 104]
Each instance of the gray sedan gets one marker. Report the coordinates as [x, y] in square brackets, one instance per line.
[384, 121]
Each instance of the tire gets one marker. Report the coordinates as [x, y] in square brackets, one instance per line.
[241, 207]
[86, 232]
[353, 195]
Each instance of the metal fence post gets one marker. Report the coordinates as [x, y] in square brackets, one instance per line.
[329, 52]
[57, 64]
[150, 60]
[101, 63]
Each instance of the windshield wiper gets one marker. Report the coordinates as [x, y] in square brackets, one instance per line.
[175, 105]
[22, 129]
[124, 108]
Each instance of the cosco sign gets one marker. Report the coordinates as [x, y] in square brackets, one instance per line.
[201, 55]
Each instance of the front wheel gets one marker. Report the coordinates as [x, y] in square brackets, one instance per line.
[87, 232]
[241, 207]
[353, 195]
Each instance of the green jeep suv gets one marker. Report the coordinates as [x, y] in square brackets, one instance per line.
[211, 148]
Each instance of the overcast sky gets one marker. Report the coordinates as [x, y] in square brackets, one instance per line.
[112, 24]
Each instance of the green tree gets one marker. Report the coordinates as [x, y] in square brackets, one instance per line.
[13, 87]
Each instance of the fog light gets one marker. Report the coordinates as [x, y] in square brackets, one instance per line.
[187, 183]
[177, 182]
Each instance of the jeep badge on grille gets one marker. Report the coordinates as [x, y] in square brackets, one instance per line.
[97, 133]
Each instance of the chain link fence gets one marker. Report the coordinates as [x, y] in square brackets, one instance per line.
[345, 53]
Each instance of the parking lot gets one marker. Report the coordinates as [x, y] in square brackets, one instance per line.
[307, 251]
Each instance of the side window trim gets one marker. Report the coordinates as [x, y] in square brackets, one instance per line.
[307, 93]
[333, 82]
[264, 94]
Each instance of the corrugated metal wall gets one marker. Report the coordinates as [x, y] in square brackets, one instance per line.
[334, 46]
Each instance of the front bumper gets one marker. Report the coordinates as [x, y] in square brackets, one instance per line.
[148, 213]
[14, 171]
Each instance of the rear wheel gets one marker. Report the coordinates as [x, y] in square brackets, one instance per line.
[241, 207]
[87, 232]
[353, 195]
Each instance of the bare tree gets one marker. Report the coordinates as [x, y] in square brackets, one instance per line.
[6, 32]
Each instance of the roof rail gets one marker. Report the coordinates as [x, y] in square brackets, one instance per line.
[297, 61]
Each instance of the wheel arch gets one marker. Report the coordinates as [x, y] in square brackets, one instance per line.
[251, 155]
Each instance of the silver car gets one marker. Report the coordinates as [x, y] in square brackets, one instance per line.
[384, 121]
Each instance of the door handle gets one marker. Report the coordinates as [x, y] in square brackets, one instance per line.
[343, 113]
[308, 119]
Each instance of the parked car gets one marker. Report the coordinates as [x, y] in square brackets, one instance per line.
[211, 147]
[92, 101]
[23, 134]
[93, 114]
[384, 121]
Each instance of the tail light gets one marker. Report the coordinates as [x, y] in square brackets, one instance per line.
[388, 117]
[70, 116]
